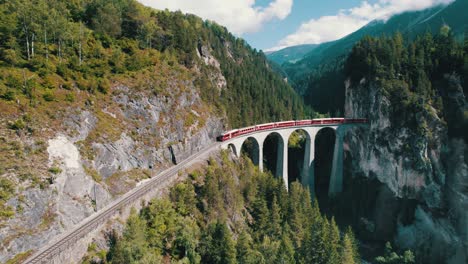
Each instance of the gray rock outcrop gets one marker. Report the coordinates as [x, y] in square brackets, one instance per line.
[101, 151]
[421, 199]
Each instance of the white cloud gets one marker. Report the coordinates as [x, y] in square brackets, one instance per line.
[329, 28]
[239, 16]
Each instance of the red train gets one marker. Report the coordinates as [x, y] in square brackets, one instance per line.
[293, 123]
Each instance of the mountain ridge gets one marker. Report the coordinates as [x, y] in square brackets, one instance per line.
[290, 54]
[306, 73]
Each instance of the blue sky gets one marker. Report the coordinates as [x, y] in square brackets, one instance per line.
[302, 10]
[275, 24]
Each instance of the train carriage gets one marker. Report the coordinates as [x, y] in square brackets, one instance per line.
[304, 122]
[265, 126]
[244, 131]
[285, 124]
[318, 121]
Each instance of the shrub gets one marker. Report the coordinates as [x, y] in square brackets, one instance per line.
[103, 86]
[9, 95]
[117, 61]
[49, 96]
[37, 63]
[82, 84]
[63, 71]
[70, 97]
[391, 257]
[55, 170]
[13, 82]
[7, 190]
[17, 125]
[93, 173]
[11, 57]
[93, 85]
[27, 118]
[6, 211]
[49, 83]
[66, 85]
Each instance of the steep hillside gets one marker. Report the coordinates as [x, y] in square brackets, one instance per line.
[96, 96]
[408, 169]
[318, 76]
[230, 212]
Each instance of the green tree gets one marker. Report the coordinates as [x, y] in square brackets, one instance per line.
[334, 243]
[286, 250]
[107, 20]
[349, 232]
[187, 239]
[314, 248]
[184, 198]
[274, 224]
[133, 246]
[347, 251]
[444, 30]
[163, 224]
[392, 257]
[246, 253]
[217, 245]
[269, 249]
[261, 216]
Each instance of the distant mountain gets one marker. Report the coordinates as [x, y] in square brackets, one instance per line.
[326, 59]
[290, 54]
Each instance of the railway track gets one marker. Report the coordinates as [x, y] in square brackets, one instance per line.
[64, 241]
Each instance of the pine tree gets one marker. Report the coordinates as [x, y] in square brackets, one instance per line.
[187, 240]
[244, 248]
[286, 251]
[269, 249]
[133, 245]
[349, 232]
[333, 243]
[314, 248]
[295, 214]
[217, 245]
[261, 216]
[183, 195]
[347, 251]
[163, 224]
[275, 220]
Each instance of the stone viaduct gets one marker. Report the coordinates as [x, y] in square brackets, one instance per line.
[307, 172]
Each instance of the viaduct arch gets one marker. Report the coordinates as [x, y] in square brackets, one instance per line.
[307, 172]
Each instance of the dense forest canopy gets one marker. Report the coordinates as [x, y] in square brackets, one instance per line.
[45, 45]
[230, 212]
[419, 77]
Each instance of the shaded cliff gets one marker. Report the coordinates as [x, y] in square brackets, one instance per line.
[407, 171]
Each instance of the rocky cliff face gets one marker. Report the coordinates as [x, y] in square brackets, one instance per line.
[98, 149]
[412, 183]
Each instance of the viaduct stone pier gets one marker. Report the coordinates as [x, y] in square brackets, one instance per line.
[307, 172]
